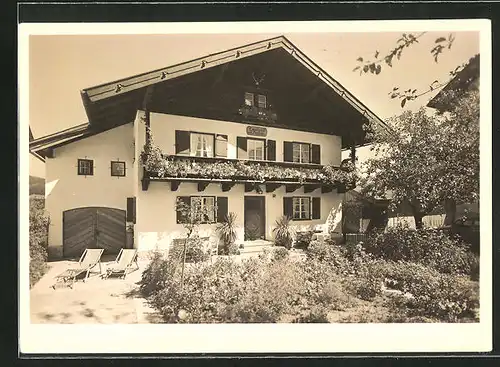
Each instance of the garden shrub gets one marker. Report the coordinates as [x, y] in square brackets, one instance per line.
[280, 253]
[283, 232]
[195, 250]
[317, 314]
[332, 255]
[426, 246]
[303, 239]
[365, 287]
[233, 249]
[39, 222]
[430, 293]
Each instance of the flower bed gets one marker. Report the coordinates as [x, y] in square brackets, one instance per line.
[158, 165]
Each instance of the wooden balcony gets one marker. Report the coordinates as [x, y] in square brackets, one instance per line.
[253, 174]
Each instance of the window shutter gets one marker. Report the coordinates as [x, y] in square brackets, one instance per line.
[221, 208]
[182, 142]
[271, 150]
[288, 151]
[91, 163]
[315, 154]
[221, 145]
[131, 210]
[187, 201]
[316, 208]
[288, 207]
[241, 144]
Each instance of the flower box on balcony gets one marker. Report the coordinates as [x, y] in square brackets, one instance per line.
[239, 170]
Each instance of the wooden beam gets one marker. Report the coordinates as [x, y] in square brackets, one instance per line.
[310, 188]
[148, 96]
[270, 187]
[174, 185]
[202, 185]
[145, 183]
[291, 187]
[226, 186]
[249, 187]
[50, 153]
[326, 189]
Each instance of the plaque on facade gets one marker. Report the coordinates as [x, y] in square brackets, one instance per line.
[256, 131]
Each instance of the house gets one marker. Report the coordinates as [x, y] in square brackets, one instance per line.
[256, 130]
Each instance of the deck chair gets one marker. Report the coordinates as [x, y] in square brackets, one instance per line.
[123, 263]
[89, 259]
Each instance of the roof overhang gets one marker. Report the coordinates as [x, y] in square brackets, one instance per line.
[94, 95]
[135, 88]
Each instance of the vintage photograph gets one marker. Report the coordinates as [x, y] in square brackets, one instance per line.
[255, 178]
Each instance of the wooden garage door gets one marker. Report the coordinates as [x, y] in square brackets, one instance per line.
[93, 227]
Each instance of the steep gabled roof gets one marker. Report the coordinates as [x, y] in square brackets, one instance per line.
[133, 90]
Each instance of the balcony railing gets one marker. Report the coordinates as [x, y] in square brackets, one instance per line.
[184, 168]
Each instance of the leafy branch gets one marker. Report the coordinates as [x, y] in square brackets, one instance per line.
[412, 94]
[375, 67]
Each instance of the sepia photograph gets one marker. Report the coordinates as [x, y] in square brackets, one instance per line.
[289, 174]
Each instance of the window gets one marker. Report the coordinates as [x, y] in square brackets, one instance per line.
[205, 207]
[118, 169]
[202, 145]
[301, 153]
[255, 149]
[301, 208]
[261, 101]
[86, 167]
[249, 99]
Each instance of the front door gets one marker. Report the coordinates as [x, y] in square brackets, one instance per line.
[255, 218]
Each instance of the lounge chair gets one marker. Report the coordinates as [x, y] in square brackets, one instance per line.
[89, 259]
[123, 263]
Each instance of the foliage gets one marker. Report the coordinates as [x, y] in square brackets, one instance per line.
[195, 250]
[317, 314]
[430, 247]
[159, 165]
[39, 222]
[279, 288]
[430, 293]
[227, 232]
[437, 159]
[374, 65]
[233, 249]
[303, 239]
[283, 232]
[280, 253]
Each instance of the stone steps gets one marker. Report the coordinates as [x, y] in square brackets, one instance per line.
[255, 247]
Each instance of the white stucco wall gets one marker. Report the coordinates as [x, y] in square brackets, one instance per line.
[65, 189]
[163, 129]
[156, 225]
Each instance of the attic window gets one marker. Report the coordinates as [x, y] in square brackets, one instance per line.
[261, 101]
[249, 99]
[85, 167]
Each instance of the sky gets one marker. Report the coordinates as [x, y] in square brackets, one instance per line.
[62, 65]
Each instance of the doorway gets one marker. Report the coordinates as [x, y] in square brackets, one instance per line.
[255, 218]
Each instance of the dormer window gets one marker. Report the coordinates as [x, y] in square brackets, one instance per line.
[249, 99]
[261, 101]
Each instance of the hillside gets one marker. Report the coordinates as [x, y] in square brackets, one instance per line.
[37, 185]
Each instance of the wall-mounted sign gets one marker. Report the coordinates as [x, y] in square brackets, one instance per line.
[256, 131]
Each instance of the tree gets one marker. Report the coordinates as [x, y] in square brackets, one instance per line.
[192, 216]
[428, 158]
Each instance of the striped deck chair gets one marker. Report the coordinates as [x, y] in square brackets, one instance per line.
[89, 259]
[122, 264]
